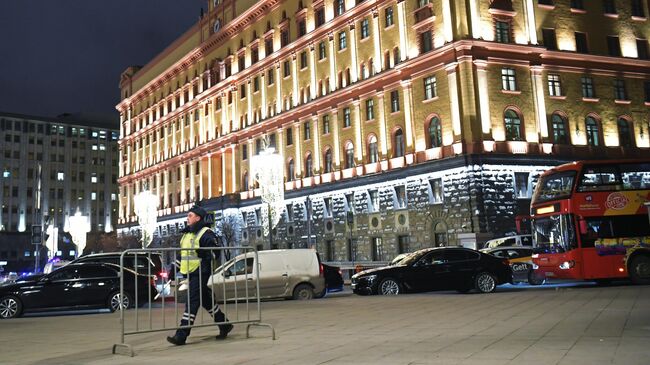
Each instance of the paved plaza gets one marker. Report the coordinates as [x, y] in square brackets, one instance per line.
[516, 325]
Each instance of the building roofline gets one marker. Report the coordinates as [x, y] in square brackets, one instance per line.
[110, 122]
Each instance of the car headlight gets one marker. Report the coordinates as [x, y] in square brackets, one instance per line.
[370, 278]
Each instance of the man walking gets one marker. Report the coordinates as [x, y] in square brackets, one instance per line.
[197, 266]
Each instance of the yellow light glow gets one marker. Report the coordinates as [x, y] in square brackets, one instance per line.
[628, 48]
[545, 210]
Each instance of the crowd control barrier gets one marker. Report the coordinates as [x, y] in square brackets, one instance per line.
[235, 288]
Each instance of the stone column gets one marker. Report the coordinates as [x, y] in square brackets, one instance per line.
[376, 62]
[403, 39]
[408, 114]
[317, 151]
[358, 138]
[332, 63]
[354, 67]
[263, 93]
[312, 72]
[337, 142]
[483, 97]
[452, 77]
[278, 89]
[297, 141]
[540, 103]
[294, 72]
[383, 144]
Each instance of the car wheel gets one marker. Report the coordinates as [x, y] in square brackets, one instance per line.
[10, 307]
[389, 286]
[115, 300]
[639, 269]
[485, 282]
[534, 279]
[321, 294]
[303, 292]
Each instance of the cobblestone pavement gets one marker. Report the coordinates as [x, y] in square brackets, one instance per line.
[516, 325]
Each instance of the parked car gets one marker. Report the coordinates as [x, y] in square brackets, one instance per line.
[333, 280]
[295, 273]
[85, 285]
[521, 263]
[440, 268]
[519, 240]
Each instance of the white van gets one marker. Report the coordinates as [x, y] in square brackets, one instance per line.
[520, 240]
[295, 273]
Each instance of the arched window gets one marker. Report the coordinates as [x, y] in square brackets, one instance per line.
[328, 160]
[363, 71]
[373, 154]
[593, 132]
[398, 144]
[435, 133]
[514, 128]
[625, 135]
[396, 56]
[559, 129]
[290, 170]
[349, 155]
[244, 182]
[309, 167]
[440, 235]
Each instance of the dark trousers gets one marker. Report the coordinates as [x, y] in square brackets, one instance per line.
[198, 294]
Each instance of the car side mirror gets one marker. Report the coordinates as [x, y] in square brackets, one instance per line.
[45, 280]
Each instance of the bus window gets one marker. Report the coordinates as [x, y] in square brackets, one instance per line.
[620, 226]
[554, 234]
[554, 186]
[601, 178]
[635, 176]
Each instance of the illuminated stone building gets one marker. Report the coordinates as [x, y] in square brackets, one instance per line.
[428, 120]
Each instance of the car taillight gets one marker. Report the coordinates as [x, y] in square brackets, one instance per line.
[506, 261]
[164, 274]
[320, 269]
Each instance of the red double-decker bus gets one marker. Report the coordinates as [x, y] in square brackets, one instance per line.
[590, 221]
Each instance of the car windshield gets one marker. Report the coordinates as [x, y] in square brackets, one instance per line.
[554, 234]
[412, 257]
[554, 186]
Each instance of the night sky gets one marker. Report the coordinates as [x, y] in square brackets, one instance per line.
[67, 55]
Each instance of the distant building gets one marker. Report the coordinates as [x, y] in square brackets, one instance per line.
[424, 122]
[73, 158]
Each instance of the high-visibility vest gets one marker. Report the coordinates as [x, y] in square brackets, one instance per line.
[190, 260]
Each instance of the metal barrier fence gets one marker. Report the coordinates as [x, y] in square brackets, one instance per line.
[234, 286]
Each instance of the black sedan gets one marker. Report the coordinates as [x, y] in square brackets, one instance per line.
[441, 268]
[87, 285]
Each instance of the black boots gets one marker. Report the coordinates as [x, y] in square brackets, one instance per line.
[176, 339]
[224, 329]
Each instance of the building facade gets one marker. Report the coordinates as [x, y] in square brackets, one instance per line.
[53, 168]
[402, 124]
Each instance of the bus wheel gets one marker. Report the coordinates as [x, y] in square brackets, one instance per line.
[639, 269]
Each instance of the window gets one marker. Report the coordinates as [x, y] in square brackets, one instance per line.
[244, 152]
[400, 197]
[646, 91]
[550, 41]
[521, 185]
[373, 200]
[373, 152]
[388, 16]
[394, 101]
[268, 46]
[370, 109]
[349, 155]
[508, 79]
[302, 27]
[343, 44]
[514, 128]
[303, 60]
[328, 161]
[242, 91]
[642, 49]
[609, 7]
[290, 170]
[625, 136]
[287, 68]
[284, 37]
[559, 129]
[398, 146]
[403, 244]
[289, 136]
[426, 43]
[577, 4]
[241, 63]
[322, 50]
[593, 133]
[59, 176]
[436, 191]
[339, 7]
[637, 9]
[377, 249]
[270, 76]
[309, 167]
[346, 117]
[430, 87]
[365, 30]
[435, 133]
[613, 46]
[255, 55]
[619, 90]
[320, 16]
[326, 124]
[502, 30]
[588, 87]
[256, 84]
[581, 42]
[554, 85]
[307, 131]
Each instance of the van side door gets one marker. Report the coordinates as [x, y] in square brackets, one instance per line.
[274, 276]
